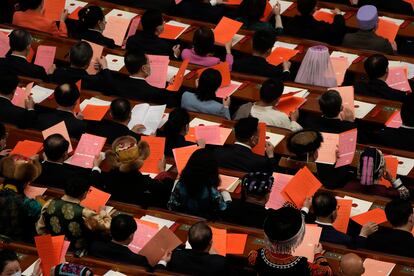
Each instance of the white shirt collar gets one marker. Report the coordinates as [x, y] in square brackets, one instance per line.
[95, 30]
[4, 97]
[407, 127]
[20, 56]
[323, 223]
[242, 144]
[137, 78]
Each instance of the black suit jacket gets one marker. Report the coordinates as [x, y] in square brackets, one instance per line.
[379, 89]
[149, 44]
[330, 234]
[111, 130]
[98, 38]
[400, 138]
[309, 28]
[246, 213]
[15, 115]
[259, 66]
[327, 125]
[21, 67]
[240, 158]
[173, 141]
[191, 262]
[392, 241]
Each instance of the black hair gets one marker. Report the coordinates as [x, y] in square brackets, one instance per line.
[200, 236]
[76, 186]
[376, 66]
[9, 82]
[398, 211]
[66, 94]
[120, 109]
[3, 131]
[55, 146]
[150, 20]
[245, 128]
[304, 141]
[306, 7]
[81, 54]
[19, 40]
[407, 115]
[7, 256]
[271, 90]
[203, 41]
[263, 41]
[252, 10]
[209, 82]
[330, 103]
[323, 203]
[134, 60]
[177, 121]
[90, 16]
[30, 4]
[122, 227]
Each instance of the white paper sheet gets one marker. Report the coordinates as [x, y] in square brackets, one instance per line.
[395, 20]
[72, 5]
[349, 56]
[197, 121]
[329, 11]
[284, 5]
[30, 269]
[115, 63]
[39, 93]
[149, 116]
[124, 14]
[93, 101]
[361, 206]
[161, 222]
[114, 273]
[405, 165]
[274, 138]
[172, 71]
[362, 109]
[236, 39]
[284, 45]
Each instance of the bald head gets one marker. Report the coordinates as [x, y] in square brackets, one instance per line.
[351, 265]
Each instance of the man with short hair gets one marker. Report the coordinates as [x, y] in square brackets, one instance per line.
[397, 240]
[198, 260]
[15, 62]
[10, 113]
[351, 265]
[376, 67]
[256, 64]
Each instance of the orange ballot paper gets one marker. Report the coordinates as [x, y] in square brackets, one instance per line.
[97, 54]
[395, 120]
[182, 155]
[165, 240]
[387, 29]
[376, 215]
[326, 153]
[304, 184]
[33, 191]
[173, 29]
[347, 95]
[280, 54]
[88, 147]
[116, 28]
[61, 129]
[377, 268]
[157, 147]
[289, 104]
[45, 56]
[311, 239]
[391, 163]
[94, 112]
[276, 198]
[54, 9]
[27, 148]
[260, 148]
[340, 65]
[95, 199]
[236, 243]
[224, 69]
[159, 70]
[344, 213]
[227, 91]
[346, 147]
[324, 16]
[219, 241]
[4, 44]
[397, 78]
[178, 79]
[49, 250]
[226, 29]
[144, 233]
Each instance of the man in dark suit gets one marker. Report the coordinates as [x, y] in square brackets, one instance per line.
[256, 63]
[325, 208]
[136, 87]
[118, 126]
[376, 67]
[397, 240]
[148, 40]
[305, 26]
[10, 113]
[122, 230]
[16, 60]
[80, 57]
[330, 104]
[66, 96]
[239, 156]
[198, 260]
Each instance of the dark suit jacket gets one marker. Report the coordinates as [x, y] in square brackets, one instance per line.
[149, 44]
[392, 241]
[21, 67]
[245, 213]
[111, 130]
[400, 138]
[172, 142]
[367, 40]
[98, 38]
[240, 158]
[192, 262]
[330, 234]
[379, 89]
[15, 115]
[259, 66]
[309, 28]
[327, 125]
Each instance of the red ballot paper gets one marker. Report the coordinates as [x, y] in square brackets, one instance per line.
[30, 56]
[133, 26]
[171, 31]
[376, 215]
[260, 148]
[226, 29]
[346, 147]
[21, 95]
[142, 236]
[395, 120]
[280, 54]
[288, 105]
[219, 241]
[27, 148]
[276, 198]
[324, 16]
[344, 212]
[4, 44]
[49, 250]
[45, 56]
[391, 163]
[159, 70]
[340, 65]
[178, 79]
[304, 184]
[65, 248]
[165, 240]
[232, 2]
[75, 14]
[94, 112]
[61, 129]
[97, 54]
[377, 268]
[116, 28]
[88, 147]
[224, 69]
[54, 9]
[387, 29]
[157, 146]
[236, 243]
[267, 12]
[211, 134]
[311, 239]
[397, 78]
[95, 199]
[347, 95]
[181, 156]
[33, 191]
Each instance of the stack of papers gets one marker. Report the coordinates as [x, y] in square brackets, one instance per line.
[158, 221]
[149, 116]
[93, 101]
[173, 29]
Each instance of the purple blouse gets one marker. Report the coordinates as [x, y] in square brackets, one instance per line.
[204, 61]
